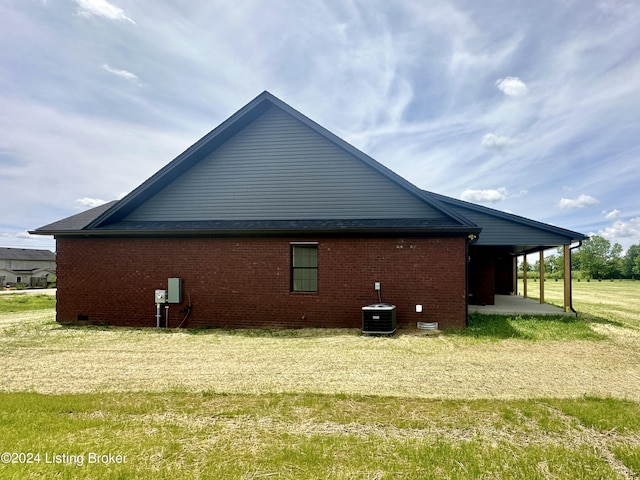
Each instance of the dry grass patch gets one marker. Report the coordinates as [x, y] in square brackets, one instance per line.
[45, 357]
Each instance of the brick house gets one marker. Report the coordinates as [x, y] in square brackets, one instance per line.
[270, 220]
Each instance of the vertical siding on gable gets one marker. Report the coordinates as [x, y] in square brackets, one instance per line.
[279, 169]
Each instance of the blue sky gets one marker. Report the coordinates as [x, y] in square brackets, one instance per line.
[528, 107]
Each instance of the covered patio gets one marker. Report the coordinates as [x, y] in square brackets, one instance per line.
[518, 305]
[493, 255]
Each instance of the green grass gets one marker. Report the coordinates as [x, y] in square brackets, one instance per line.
[527, 327]
[616, 301]
[179, 433]
[602, 414]
[22, 302]
[607, 302]
[209, 435]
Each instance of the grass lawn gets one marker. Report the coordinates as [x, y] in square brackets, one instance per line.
[511, 397]
[617, 301]
[26, 302]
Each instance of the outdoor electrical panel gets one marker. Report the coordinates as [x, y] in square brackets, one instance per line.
[161, 296]
[174, 294]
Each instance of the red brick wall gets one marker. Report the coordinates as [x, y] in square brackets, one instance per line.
[245, 282]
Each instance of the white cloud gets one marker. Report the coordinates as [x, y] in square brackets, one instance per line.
[612, 215]
[101, 8]
[120, 73]
[622, 229]
[87, 202]
[512, 86]
[23, 239]
[580, 202]
[484, 196]
[496, 142]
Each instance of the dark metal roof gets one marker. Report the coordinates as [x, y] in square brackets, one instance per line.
[519, 233]
[280, 226]
[27, 254]
[74, 222]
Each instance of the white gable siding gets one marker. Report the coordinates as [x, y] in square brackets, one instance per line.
[279, 169]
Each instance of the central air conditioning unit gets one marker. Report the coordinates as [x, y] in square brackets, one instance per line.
[379, 319]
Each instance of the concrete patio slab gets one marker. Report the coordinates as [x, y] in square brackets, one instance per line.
[518, 305]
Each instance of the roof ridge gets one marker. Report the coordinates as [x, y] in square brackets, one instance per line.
[228, 128]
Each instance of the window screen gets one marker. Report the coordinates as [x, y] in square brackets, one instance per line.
[304, 268]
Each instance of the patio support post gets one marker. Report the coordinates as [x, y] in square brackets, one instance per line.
[524, 276]
[515, 276]
[541, 276]
[567, 277]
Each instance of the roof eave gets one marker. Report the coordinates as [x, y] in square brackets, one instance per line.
[433, 231]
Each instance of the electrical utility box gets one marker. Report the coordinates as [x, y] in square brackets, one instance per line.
[379, 318]
[161, 296]
[174, 292]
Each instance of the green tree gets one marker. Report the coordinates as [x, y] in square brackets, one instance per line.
[558, 264]
[554, 265]
[598, 258]
[576, 260]
[630, 267]
[614, 263]
[531, 266]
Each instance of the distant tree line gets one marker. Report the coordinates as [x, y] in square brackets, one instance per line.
[596, 258]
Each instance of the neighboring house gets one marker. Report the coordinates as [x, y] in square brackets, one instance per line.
[270, 220]
[29, 267]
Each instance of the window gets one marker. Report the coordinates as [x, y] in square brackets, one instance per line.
[304, 267]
